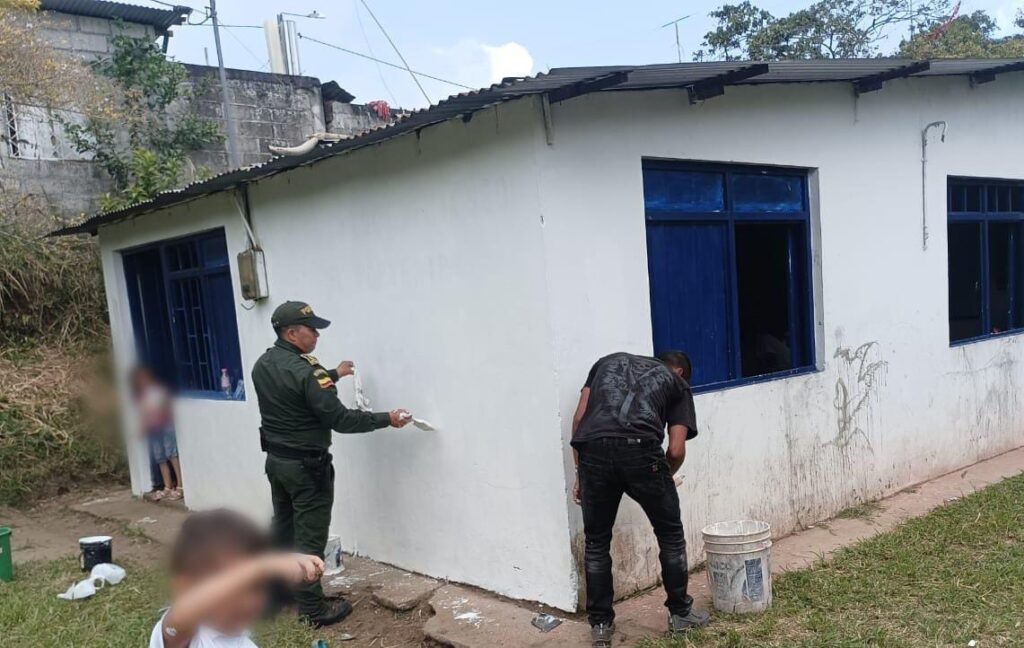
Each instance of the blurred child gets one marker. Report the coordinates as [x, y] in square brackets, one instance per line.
[220, 570]
[153, 401]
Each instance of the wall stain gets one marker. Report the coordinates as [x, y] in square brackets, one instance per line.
[854, 393]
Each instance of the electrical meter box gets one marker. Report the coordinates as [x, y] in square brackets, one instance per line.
[252, 273]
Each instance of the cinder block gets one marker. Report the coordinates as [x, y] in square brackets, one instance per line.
[89, 43]
[253, 130]
[290, 133]
[92, 25]
[134, 30]
[255, 158]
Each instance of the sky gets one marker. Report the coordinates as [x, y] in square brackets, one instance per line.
[469, 42]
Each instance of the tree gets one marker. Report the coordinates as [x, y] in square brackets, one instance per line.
[971, 36]
[736, 24]
[826, 29]
[33, 73]
[145, 149]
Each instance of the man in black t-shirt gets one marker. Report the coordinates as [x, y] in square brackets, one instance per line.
[618, 432]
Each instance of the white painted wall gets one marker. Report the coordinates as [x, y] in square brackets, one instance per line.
[426, 253]
[782, 451]
[474, 273]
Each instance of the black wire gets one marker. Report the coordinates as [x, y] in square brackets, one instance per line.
[388, 63]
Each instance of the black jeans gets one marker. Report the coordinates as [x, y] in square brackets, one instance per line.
[610, 468]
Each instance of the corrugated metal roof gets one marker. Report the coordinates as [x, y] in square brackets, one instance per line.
[160, 19]
[563, 83]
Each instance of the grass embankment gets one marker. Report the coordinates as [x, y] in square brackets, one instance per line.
[945, 579]
[57, 423]
[119, 616]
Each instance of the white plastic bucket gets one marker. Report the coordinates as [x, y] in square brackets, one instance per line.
[333, 564]
[739, 565]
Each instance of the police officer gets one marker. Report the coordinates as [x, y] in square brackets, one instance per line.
[299, 407]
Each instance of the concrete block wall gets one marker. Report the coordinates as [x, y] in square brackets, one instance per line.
[349, 118]
[86, 36]
[72, 187]
[270, 109]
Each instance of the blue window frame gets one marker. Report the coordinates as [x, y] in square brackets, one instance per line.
[985, 230]
[183, 311]
[728, 251]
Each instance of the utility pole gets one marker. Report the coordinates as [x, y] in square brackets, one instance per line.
[234, 159]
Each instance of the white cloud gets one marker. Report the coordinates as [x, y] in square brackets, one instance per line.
[508, 60]
[1005, 15]
[479, 64]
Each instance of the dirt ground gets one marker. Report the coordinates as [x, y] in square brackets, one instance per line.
[50, 530]
[373, 625]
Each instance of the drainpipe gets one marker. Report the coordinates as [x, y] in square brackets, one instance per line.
[924, 177]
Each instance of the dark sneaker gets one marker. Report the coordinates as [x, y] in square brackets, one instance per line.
[695, 619]
[335, 612]
[601, 635]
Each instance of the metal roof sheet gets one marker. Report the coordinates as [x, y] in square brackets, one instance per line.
[160, 19]
[563, 83]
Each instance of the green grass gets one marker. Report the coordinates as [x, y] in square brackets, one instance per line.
[120, 616]
[944, 579]
[863, 511]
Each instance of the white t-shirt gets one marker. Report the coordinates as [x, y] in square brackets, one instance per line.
[204, 638]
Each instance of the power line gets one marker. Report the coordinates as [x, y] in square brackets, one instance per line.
[380, 72]
[238, 40]
[395, 47]
[383, 62]
[203, 24]
[174, 6]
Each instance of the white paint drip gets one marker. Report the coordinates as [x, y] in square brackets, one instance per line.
[471, 616]
[363, 403]
[343, 581]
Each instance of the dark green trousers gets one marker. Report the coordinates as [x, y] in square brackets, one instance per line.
[302, 502]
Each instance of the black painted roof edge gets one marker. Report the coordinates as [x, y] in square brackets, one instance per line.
[160, 19]
[564, 83]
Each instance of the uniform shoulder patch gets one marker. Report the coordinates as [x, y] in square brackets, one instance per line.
[323, 378]
[310, 359]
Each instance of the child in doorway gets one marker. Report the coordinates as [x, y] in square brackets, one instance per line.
[220, 569]
[153, 401]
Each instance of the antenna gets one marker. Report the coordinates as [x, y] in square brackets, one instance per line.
[283, 42]
[675, 24]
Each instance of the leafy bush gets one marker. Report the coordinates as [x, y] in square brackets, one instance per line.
[51, 290]
[144, 144]
[57, 420]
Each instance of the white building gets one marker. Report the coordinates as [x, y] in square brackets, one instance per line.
[850, 309]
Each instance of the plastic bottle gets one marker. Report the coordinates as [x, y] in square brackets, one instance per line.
[225, 383]
[240, 390]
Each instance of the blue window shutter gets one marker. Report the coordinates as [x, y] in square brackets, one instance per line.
[690, 294]
[224, 327]
[182, 302]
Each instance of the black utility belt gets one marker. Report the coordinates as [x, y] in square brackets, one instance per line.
[624, 441]
[286, 452]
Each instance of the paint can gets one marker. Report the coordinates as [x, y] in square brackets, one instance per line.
[739, 565]
[6, 560]
[95, 550]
